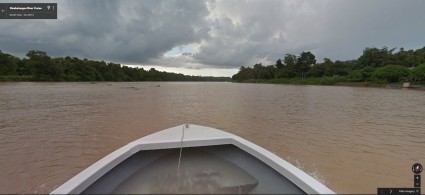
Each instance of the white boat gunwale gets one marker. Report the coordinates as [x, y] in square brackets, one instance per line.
[195, 136]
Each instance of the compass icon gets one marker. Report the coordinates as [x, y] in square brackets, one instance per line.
[417, 168]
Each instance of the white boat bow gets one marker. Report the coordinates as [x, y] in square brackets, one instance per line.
[194, 136]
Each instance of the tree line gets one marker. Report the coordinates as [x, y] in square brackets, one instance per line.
[375, 64]
[38, 66]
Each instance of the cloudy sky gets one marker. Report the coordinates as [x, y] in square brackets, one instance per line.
[215, 38]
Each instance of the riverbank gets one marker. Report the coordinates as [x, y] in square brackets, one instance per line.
[337, 81]
[15, 78]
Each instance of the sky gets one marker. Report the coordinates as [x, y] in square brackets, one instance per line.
[215, 38]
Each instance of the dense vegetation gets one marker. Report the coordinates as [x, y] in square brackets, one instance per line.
[376, 65]
[38, 66]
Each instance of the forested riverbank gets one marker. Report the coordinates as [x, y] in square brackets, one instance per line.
[375, 67]
[38, 66]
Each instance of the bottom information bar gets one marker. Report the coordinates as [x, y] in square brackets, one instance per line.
[399, 191]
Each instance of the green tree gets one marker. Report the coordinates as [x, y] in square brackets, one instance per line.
[279, 64]
[290, 60]
[318, 70]
[351, 65]
[262, 72]
[376, 57]
[419, 57]
[244, 74]
[392, 73]
[43, 68]
[56, 70]
[418, 73]
[271, 71]
[364, 74]
[291, 69]
[355, 75]
[304, 62]
[328, 68]
[367, 72]
[8, 64]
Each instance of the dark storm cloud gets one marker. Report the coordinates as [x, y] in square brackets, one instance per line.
[351, 26]
[247, 32]
[122, 31]
[226, 34]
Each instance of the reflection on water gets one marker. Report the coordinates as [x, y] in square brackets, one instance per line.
[354, 139]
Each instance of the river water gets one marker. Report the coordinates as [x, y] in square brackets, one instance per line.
[352, 139]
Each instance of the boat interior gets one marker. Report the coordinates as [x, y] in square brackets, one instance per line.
[220, 169]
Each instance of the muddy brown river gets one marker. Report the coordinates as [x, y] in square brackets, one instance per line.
[352, 139]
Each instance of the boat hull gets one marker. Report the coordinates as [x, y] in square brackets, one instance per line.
[123, 165]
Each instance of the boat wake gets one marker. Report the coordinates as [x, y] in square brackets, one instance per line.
[309, 169]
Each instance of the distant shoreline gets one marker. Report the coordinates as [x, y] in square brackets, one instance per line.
[38, 66]
[333, 81]
[31, 79]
